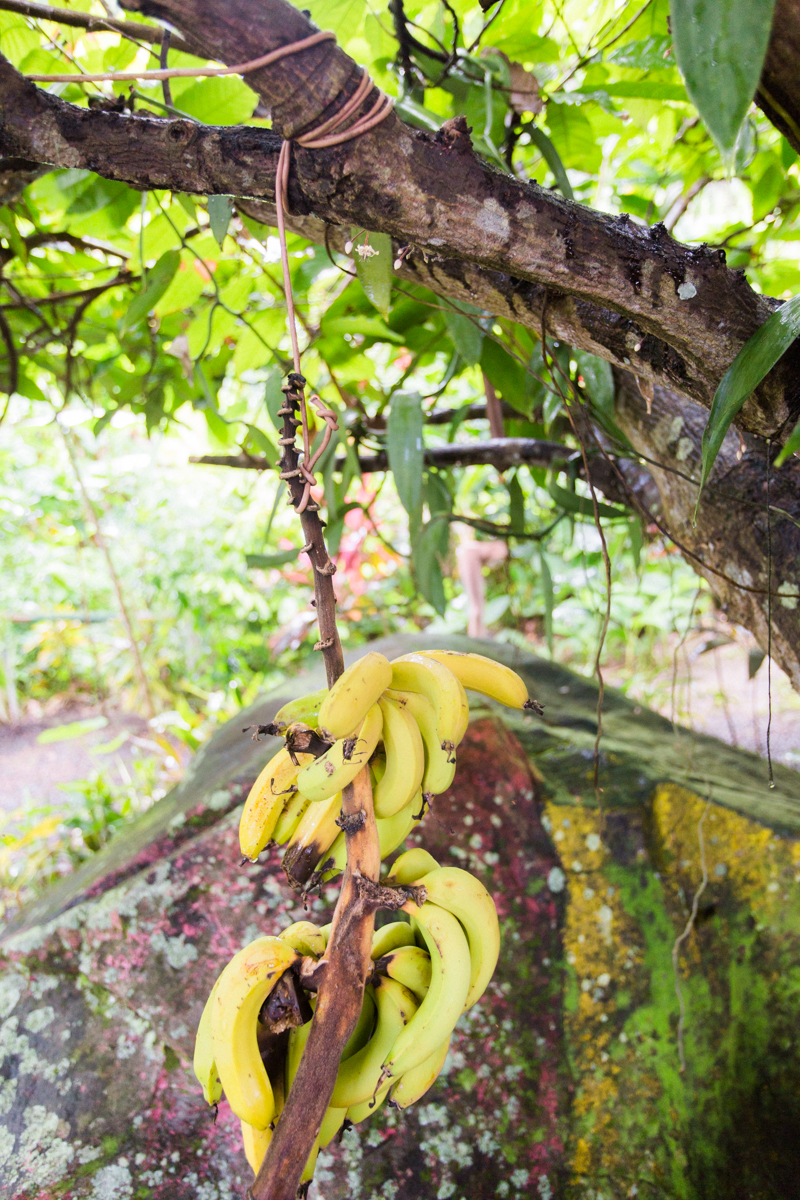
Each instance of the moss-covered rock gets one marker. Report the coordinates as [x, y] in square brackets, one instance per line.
[576, 1076]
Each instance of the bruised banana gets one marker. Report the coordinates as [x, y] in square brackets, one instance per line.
[204, 1063]
[440, 765]
[411, 866]
[359, 1077]
[412, 1086]
[241, 990]
[420, 673]
[266, 801]
[409, 965]
[405, 760]
[304, 937]
[355, 691]
[333, 770]
[305, 710]
[390, 937]
[436, 1017]
[468, 900]
[484, 675]
[314, 835]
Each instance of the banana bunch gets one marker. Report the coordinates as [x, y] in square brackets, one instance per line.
[404, 718]
[427, 971]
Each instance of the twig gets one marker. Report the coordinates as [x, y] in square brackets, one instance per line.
[166, 89]
[683, 936]
[79, 20]
[771, 774]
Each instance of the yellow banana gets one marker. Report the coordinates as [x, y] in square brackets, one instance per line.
[305, 938]
[358, 1077]
[392, 832]
[359, 1112]
[255, 1142]
[468, 900]
[314, 835]
[347, 703]
[204, 1064]
[484, 675]
[411, 866]
[290, 818]
[305, 709]
[412, 1086]
[440, 765]
[389, 937]
[436, 1017]
[241, 990]
[405, 760]
[266, 801]
[409, 965]
[420, 673]
[333, 770]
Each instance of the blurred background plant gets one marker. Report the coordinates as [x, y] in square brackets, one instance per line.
[136, 583]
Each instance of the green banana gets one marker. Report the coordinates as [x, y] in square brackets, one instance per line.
[468, 900]
[333, 770]
[436, 1017]
[405, 760]
[390, 937]
[359, 1077]
[409, 965]
[359, 1112]
[290, 818]
[411, 867]
[440, 765]
[419, 673]
[355, 691]
[204, 1064]
[392, 832]
[412, 1086]
[241, 990]
[315, 833]
[305, 710]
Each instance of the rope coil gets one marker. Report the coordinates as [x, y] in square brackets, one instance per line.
[329, 133]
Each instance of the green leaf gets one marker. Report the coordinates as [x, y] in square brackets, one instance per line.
[159, 278]
[504, 372]
[516, 504]
[224, 100]
[75, 729]
[720, 47]
[220, 211]
[426, 560]
[278, 559]
[582, 505]
[273, 397]
[753, 362]
[553, 160]
[404, 447]
[375, 271]
[258, 440]
[465, 333]
[416, 115]
[792, 445]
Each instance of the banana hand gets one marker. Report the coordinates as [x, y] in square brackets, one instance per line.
[392, 832]
[415, 1083]
[484, 675]
[347, 703]
[421, 673]
[468, 900]
[240, 991]
[436, 1017]
[411, 866]
[266, 801]
[305, 938]
[405, 760]
[440, 765]
[337, 767]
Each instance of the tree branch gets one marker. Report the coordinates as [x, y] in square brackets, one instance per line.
[80, 20]
[778, 95]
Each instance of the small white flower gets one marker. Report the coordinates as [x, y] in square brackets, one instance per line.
[366, 251]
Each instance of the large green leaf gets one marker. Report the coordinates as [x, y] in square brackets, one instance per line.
[375, 271]
[158, 280]
[553, 160]
[720, 47]
[404, 447]
[465, 333]
[426, 560]
[582, 505]
[278, 559]
[753, 362]
[223, 100]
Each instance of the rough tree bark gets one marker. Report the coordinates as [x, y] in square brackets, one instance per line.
[609, 286]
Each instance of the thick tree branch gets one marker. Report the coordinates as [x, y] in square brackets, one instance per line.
[778, 94]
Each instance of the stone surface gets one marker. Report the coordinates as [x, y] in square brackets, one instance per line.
[565, 1081]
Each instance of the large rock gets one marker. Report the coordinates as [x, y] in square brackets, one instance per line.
[574, 1077]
